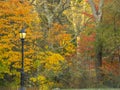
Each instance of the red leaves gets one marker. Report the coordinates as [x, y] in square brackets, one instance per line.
[86, 43]
[88, 14]
[112, 68]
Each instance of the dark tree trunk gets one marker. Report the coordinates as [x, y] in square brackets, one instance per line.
[98, 62]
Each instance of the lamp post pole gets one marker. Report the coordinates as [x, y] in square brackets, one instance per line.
[22, 37]
[22, 67]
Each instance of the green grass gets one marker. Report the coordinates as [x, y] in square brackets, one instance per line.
[94, 89]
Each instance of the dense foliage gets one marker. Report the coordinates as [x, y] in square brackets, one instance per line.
[69, 43]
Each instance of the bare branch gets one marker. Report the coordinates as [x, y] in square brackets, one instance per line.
[97, 14]
[100, 10]
[94, 11]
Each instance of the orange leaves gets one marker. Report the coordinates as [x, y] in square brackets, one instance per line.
[57, 34]
[64, 39]
[59, 38]
[15, 12]
[13, 16]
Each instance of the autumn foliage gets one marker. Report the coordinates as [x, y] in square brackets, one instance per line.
[13, 16]
[61, 45]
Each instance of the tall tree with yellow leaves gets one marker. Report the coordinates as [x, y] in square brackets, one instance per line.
[13, 16]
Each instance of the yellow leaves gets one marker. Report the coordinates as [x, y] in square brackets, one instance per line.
[70, 48]
[40, 79]
[13, 16]
[50, 61]
[46, 47]
[50, 58]
[54, 61]
[44, 83]
[1, 76]
[33, 79]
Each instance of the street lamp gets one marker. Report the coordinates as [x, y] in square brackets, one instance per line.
[22, 37]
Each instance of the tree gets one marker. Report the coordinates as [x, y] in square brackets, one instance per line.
[14, 15]
[97, 13]
[106, 28]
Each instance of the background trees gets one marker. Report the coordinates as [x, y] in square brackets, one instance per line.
[69, 44]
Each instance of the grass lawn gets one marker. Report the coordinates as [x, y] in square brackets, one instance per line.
[94, 89]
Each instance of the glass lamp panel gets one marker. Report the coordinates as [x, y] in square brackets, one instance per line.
[22, 35]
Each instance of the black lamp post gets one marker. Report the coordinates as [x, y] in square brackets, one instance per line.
[22, 37]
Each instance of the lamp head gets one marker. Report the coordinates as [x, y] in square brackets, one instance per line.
[22, 34]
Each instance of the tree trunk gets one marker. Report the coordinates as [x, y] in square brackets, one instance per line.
[98, 18]
[98, 61]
